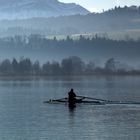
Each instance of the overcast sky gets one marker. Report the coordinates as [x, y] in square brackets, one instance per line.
[99, 5]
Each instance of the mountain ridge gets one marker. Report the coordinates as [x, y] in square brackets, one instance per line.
[119, 19]
[14, 9]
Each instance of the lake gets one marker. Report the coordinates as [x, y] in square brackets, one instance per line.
[24, 116]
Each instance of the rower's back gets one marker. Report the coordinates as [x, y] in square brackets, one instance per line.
[71, 97]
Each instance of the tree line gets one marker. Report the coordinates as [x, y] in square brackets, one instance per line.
[39, 41]
[70, 66]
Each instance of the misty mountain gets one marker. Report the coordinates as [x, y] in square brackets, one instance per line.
[117, 19]
[11, 9]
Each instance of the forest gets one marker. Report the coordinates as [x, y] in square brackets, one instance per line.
[40, 41]
[70, 66]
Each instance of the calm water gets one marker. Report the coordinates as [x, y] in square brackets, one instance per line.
[23, 116]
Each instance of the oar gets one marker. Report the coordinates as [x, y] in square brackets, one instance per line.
[51, 100]
[93, 98]
[111, 102]
[59, 99]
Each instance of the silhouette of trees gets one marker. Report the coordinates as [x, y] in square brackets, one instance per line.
[70, 66]
[46, 69]
[90, 68]
[80, 44]
[6, 66]
[25, 66]
[15, 66]
[36, 69]
[110, 65]
[55, 68]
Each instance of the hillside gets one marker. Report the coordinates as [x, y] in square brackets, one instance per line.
[117, 19]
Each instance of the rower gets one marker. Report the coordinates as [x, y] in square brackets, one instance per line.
[72, 98]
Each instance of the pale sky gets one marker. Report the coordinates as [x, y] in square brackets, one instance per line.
[99, 5]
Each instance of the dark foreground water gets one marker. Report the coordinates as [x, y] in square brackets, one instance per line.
[23, 116]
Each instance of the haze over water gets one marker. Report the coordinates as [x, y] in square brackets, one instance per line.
[24, 116]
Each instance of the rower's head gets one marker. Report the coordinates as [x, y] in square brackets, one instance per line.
[71, 90]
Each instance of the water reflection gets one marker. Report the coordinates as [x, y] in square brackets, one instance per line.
[71, 116]
[72, 110]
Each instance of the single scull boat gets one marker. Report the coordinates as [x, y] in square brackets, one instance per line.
[89, 100]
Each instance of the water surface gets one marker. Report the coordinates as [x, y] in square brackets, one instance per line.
[23, 116]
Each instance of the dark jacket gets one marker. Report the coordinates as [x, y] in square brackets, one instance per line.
[71, 97]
